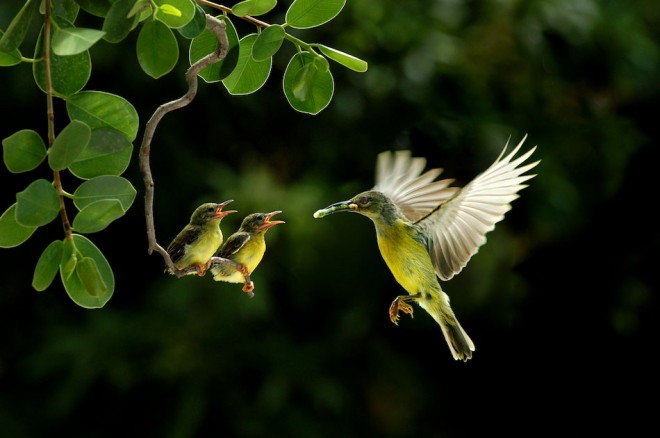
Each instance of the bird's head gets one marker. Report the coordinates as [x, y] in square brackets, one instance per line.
[375, 205]
[209, 212]
[259, 222]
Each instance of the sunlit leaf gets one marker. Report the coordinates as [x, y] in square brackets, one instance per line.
[303, 14]
[253, 7]
[105, 187]
[77, 290]
[307, 88]
[89, 275]
[249, 75]
[268, 42]
[47, 266]
[99, 110]
[69, 259]
[157, 49]
[99, 8]
[69, 74]
[11, 232]
[12, 57]
[38, 204]
[107, 153]
[69, 41]
[175, 13]
[23, 150]
[344, 59]
[97, 216]
[68, 145]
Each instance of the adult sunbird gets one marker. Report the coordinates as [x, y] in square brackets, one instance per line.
[427, 229]
[200, 239]
[246, 247]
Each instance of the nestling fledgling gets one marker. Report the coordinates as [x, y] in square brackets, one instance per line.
[247, 247]
[427, 229]
[200, 239]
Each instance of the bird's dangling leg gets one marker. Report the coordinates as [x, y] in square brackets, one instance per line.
[248, 286]
[400, 303]
[201, 269]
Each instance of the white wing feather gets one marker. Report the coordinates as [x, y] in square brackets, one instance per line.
[458, 227]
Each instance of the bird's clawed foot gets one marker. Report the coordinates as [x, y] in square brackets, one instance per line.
[248, 286]
[400, 304]
[201, 269]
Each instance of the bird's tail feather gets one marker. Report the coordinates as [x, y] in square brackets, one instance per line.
[459, 342]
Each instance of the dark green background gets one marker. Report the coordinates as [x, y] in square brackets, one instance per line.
[561, 302]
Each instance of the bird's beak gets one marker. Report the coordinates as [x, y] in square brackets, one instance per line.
[219, 214]
[337, 206]
[267, 223]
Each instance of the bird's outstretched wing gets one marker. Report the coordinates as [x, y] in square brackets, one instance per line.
[399, 176]
[235, 242]
[458, 227]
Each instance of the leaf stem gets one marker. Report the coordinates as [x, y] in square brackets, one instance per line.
[50, 113]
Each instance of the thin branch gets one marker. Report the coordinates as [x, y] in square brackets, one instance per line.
[50, 114]
[223, 8]
[218, 28]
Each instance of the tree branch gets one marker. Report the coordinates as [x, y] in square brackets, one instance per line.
[218, 28]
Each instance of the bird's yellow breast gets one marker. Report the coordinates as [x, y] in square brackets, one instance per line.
[200, 251]
[407, 258]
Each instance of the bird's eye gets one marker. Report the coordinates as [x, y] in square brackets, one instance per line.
[210, 209]
[260, 218]
[364, 200]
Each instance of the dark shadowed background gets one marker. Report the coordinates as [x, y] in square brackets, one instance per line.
[561, 302]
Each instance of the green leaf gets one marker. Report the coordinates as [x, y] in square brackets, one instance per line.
[253, 8]
[344, 59]
[17, 29]
[13, 57]
[206, 43]
[38, 204]
[23, 150]
[97, 216]
[69, 259]
[307, 88]
[195, 26]
[103, 110]
[105, 187]
[175, 13]
[268, 42]
[67, 9]
[82, 293]
[11, 232]
[89, 275]
[249, 75]
[107, 153]
[157, 49]
[303, 14]
[117, 23]
[69, 73]
[69, 41]
[68, 145]
[99, 8]
[47, 266]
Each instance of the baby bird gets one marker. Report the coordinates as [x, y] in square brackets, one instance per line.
[428, 230]
[200, 239]
[245, 247]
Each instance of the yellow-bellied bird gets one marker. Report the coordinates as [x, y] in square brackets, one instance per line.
[246, 247]
[427, 229]
[200, 239]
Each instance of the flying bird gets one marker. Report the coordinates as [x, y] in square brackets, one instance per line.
[246, 247]
[200, 239]
[428, 230]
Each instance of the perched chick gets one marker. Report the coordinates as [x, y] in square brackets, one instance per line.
[426, 229]
[246, 247]
[200, 239]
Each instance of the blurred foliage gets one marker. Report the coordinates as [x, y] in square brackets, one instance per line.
[561, 302]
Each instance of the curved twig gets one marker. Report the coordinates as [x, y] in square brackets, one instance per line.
[218, 28]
